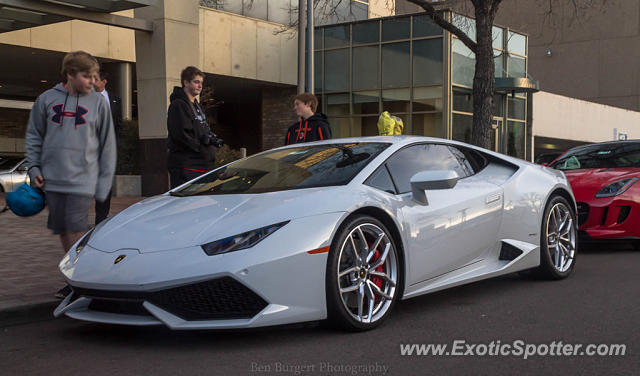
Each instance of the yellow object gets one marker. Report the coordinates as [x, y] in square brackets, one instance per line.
[389, 125]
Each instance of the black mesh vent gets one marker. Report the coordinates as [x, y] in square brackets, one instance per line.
[127, 307]
[509, 252]
[624, 213]
[222, 298]
[583, 213]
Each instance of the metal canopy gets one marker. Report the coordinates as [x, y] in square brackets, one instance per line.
[22, 14]
[515, 84]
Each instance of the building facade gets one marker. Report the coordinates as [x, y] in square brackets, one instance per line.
[414, 69]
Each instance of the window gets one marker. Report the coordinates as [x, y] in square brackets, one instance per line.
[366, 32]
[336, 70]
[426, 157]
[395, 28]
[427, 62]
[365, 68]
[381, 180]
[292, 168]
[395, 64]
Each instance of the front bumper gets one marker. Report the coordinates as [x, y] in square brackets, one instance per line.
[275, 282]
[609, 218]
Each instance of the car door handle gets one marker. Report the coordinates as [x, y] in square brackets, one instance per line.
[493, 198]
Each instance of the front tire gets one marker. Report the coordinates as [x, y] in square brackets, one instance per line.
[558, 239]
[363, 275]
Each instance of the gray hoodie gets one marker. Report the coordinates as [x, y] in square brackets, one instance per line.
[70, 141]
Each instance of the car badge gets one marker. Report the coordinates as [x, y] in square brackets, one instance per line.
[119, 258]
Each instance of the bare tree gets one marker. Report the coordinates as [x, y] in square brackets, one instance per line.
[484, 12]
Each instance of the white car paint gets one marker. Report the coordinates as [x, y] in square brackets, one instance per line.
[455, 239]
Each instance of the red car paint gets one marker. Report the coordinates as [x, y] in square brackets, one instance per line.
[616, 217]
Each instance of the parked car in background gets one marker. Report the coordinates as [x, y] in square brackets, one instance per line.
[603, 178]
[546, 158]
[13, 172]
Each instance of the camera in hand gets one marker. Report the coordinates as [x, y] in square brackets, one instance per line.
[211, 139]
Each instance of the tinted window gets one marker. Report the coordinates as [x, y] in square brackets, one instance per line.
[465, 166]
[600, 156]
[428, 157]
[381, 180]
[291, 168]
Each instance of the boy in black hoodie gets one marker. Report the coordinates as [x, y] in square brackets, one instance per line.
[313, 126]
[191, 142]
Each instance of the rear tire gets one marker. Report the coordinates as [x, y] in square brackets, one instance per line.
[558, 239]
[363, 275]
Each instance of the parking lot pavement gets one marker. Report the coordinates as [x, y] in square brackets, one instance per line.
[30, 253]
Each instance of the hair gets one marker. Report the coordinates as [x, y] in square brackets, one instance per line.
[189, 73]
[78, 61]
[103, 75]
[308, 99]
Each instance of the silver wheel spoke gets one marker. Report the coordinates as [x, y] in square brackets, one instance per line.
[363, 300]
[350, 288]
[360, 297]
[355, 250]
[382, 258]
[375, 245]
[365, 247]
[561, 239]
[347, 271]
[376, 290]
[383, 276]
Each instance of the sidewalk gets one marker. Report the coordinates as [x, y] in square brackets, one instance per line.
[30, 253]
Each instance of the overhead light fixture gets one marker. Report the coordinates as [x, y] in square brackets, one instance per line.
[44, 81]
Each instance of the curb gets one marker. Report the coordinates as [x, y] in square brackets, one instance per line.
[28, 313]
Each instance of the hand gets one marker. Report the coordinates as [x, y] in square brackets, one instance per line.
[38, 181]
[205, 139]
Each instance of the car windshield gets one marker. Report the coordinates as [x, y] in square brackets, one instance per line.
[291, 168]
[600, 156]
[7, 163]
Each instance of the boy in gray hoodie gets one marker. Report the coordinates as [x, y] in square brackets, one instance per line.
[70, 146]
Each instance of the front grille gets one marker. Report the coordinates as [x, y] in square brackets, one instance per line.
[583, 213]
[221, 298]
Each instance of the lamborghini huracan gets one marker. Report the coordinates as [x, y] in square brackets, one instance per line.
[335, 230]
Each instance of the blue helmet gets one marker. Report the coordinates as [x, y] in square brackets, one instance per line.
[26, 200]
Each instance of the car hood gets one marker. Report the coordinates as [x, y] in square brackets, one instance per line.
[587, 182]
[166, 222]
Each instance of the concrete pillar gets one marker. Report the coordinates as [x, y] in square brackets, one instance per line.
[160, 57]
[124, 87]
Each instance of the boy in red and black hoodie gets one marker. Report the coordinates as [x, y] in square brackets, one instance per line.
[313, 126]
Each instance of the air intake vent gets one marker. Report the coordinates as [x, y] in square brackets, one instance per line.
[509, 252]
[624, 213]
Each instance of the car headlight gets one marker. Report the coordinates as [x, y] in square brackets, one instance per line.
[83, 241]
[616, 188]
[241, 241]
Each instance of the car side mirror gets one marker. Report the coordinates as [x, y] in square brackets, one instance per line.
[439, 179]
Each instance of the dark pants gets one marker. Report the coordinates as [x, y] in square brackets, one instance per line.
[180, 176]
[102, 209]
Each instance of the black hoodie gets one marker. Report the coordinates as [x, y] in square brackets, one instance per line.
[315, 128]
[187, 124]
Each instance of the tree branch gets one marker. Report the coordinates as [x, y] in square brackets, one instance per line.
[440, 21]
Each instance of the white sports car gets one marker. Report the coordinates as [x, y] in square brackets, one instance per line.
[337, 230]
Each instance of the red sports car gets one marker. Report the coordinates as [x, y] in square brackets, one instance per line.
[603, 178]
